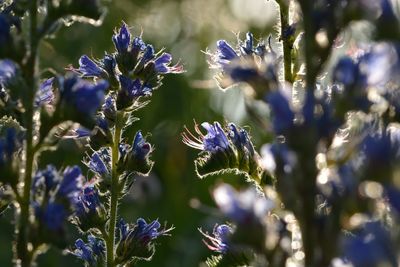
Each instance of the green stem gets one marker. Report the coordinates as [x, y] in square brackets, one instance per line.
[307, 220]
[30, 70]
[287, 41]
[110, 240]
[310, 43]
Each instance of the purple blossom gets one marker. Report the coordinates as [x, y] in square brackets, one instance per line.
[97, 245]
[54, 216]
[140, 148]
[225, 52]
[283, 116]
[240, 138]
[370, 246]
[88, 68]
[148, 54]
[346, 71]
[215, 140]
[138, 44]
[47, 178]
[45, 93]
[83, 251]
[142, 232]
[162, 65]
[87, 202]
[244, 207]
[122, 39]
[247, 47]
[82, 95]
[109, 108]
[8, 71]
[219, 240]
[71, 184]
[97, 165]
[133, 88]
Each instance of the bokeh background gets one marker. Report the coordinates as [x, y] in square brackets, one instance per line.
[172, 193]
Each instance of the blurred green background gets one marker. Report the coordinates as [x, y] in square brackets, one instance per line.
[172, 193]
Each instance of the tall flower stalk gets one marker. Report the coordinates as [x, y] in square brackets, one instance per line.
[115, 191]
[134, 72]
[23, 254]
[329, 127]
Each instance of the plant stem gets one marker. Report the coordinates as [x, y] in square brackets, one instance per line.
[310, 43]
[287, 41]
[30, 72]
[110, 240]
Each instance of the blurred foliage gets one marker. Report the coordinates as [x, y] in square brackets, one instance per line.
[172, 192]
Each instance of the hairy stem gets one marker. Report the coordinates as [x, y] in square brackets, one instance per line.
[24, 253]
[110, 240]
[310, 43]
[287, 40]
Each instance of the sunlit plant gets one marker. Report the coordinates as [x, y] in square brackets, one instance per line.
[324, 191]
[95, 103]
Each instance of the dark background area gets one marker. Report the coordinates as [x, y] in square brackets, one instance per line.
[172, 193]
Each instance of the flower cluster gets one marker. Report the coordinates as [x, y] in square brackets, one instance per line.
[135, 68]
[132, 72]
[54, 201]
[334, 156]
[249, 63]
[92, 252]
[137, 241]
[224, 149]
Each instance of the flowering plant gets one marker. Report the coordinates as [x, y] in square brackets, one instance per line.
[323, 192]
[102, 97]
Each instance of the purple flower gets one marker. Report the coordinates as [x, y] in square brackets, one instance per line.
[276, 156]
[225, 52]
[71, 184]
[108, 63]
[122, 39]
[283, 116]
[219, 240]
[246, 207]
[142, 232]
[83, 251]
[147, 55]
[370, 246]
[8, 71]
[247, 48]
[140, 148]
[162, 65]
[382, 148]
[123, 228]
[242, 73]
[136, 240]
[346, 71]
[97, 165]
[54, 216]
[240, 138]
[88, 201]
[88, 68]
[133, 88]
[82, 95]
[138, 44]
[47, 178]
[45, 93]
[109, 108]
[97, 245]
[215, 140]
